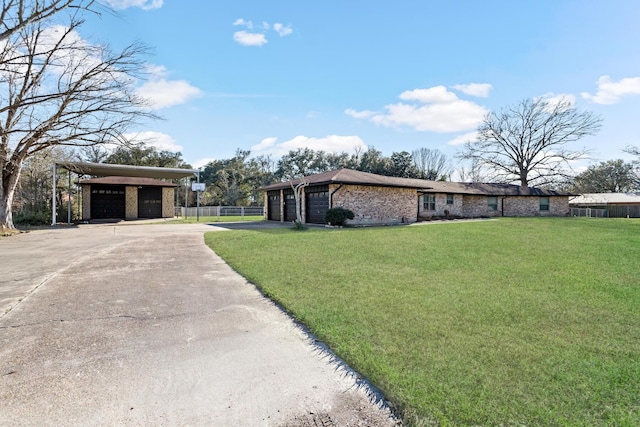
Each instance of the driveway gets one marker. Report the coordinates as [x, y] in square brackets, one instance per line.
[145, 325]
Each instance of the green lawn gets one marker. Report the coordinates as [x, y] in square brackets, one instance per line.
[205, 219]
[505, 322]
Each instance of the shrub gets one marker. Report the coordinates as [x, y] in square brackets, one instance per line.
[338, 216]
[32, 218]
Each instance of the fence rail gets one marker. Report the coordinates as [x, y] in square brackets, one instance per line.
[241, 211]
[608, 212]
[589, 212]
[624, 211]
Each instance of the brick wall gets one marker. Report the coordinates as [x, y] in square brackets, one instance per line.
[86, 202]
[168, 197]
[376, 205]
[475, 206]
[530, 206]
[441, 206]
[131, 202]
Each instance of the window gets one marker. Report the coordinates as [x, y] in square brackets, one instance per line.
[544, 203]
[492, 203]
[449, 199]
[430, 202]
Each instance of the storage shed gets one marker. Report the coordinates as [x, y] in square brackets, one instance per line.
[123, 191]
[120, 197]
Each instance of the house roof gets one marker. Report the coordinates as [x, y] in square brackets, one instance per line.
[350, 176]
[104, 169]
[127, 180]
[489, 189]
[605, 199]
[353, 177]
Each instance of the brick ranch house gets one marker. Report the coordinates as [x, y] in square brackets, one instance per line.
[376, 199]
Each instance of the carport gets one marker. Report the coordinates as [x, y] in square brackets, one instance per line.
[117, 179]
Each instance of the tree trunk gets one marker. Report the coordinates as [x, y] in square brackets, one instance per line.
[7, 191]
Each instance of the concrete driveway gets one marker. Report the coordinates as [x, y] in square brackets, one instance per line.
[145, 325]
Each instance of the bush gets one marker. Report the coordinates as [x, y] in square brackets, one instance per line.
[32, 218]
[338, 216]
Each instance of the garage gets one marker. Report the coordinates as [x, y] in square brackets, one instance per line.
[150, 202]
[108, 202]
[273, 205]
[289, 205]
[121, 197]
[317, 203]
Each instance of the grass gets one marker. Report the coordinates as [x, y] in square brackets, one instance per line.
[507, 322]
[206, 219]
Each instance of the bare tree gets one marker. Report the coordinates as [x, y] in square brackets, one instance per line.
[632, 150]
[527, 142]
[431, 164]
[17, 14]
[298, 188]
[475, 172]
[58, 90]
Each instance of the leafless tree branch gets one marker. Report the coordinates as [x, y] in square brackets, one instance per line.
[527, 142]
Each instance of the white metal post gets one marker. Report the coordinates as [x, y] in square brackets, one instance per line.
[53, 198]
[198, 199]
[69, 200]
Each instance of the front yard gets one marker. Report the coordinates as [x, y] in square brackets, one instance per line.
[504, 322]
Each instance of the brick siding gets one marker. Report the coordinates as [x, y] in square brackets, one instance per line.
[168, 197]
[442, 206]
[86, 202]
[131, 202]
[476, 206]
[376, 205]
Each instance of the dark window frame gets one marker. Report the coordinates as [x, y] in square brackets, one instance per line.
[544, 207]
[429, 202]
[492, 203]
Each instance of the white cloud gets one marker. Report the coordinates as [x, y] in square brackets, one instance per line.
[553, 100]
[142, 4]
[434, 95]
[246, 38]
[244, 23]
[157, 70]
[71, 51]
[444, 112]
[159, 140]
[475, 89]
[610, 92]
[258, 37]
[282, 30]
[364, 114]
[330, 143]
[265, 144]
[463, 139]
[203, 162]
[162, 93]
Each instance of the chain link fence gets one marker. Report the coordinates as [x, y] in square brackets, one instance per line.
[219, 211]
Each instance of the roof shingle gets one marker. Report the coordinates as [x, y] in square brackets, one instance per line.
[353, 177]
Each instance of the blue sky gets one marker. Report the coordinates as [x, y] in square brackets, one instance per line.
[270, 76]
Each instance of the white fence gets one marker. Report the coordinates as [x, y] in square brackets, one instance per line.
[589, 212]
[240, 211]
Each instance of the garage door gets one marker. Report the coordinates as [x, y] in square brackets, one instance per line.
[317, 201]
[289, 205]
[273, 207]
[107, 202]
[150, 202]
